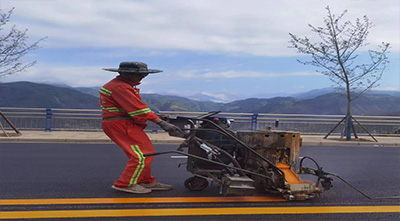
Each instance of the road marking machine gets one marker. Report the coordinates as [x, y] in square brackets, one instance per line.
[246, 162]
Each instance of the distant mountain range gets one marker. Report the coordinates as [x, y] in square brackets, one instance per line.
[318, 92]
[225, 97]
[28, 94]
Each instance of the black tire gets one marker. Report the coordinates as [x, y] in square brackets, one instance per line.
[196, 183]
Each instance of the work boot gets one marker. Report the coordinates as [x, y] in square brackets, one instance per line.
[133, 189]
[157, 186]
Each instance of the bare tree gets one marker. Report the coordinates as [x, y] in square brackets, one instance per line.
[335, 55]
[13, 46]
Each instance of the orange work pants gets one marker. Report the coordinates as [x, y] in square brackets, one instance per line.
[134, 142]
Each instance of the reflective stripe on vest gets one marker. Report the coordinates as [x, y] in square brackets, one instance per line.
[113, 109]
[139, 112]
[105, 91]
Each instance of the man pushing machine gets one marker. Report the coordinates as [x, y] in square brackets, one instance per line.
[124, 118]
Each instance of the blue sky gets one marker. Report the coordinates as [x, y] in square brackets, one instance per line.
[227, 49]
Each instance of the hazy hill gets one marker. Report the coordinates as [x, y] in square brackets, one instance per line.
[94, 91]
[256, 105]
[313, 93]
[333, 103]
[169, 102]
[319, 92]
[27, 94]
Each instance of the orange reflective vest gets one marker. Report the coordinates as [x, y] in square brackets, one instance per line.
[120, 98]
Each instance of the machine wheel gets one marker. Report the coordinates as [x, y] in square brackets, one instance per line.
[196, 183]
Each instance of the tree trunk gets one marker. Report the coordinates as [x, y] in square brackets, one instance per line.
[349, 121]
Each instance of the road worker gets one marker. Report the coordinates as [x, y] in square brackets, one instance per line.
[124, 118]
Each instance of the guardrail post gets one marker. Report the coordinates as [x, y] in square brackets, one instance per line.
[276, 123]
[254, 121]
[48, 119]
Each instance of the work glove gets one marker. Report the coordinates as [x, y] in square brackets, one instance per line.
[171, 129]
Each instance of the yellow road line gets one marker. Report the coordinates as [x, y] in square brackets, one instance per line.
[139, 200]
[197, 211]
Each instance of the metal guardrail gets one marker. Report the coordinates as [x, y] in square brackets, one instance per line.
[49, 119]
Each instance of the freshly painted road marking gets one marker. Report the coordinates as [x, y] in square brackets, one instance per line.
[197, 211]
[139, 200]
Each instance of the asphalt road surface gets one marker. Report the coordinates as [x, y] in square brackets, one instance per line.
[39, 180]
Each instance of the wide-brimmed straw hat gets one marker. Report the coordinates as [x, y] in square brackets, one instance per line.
[133, 67]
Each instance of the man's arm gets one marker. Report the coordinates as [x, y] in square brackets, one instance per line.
[156, 120]
[170, 128]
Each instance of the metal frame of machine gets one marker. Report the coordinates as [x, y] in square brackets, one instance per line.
[245, 162]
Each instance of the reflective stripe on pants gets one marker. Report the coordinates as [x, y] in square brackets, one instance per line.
[140, 165]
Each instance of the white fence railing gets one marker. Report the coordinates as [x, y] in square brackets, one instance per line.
[49, 119]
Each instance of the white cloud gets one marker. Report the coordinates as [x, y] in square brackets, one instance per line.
[219, 96]
[241, 74]
[72, 76]
[258, 27]
[87, 76]
[387, 88]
